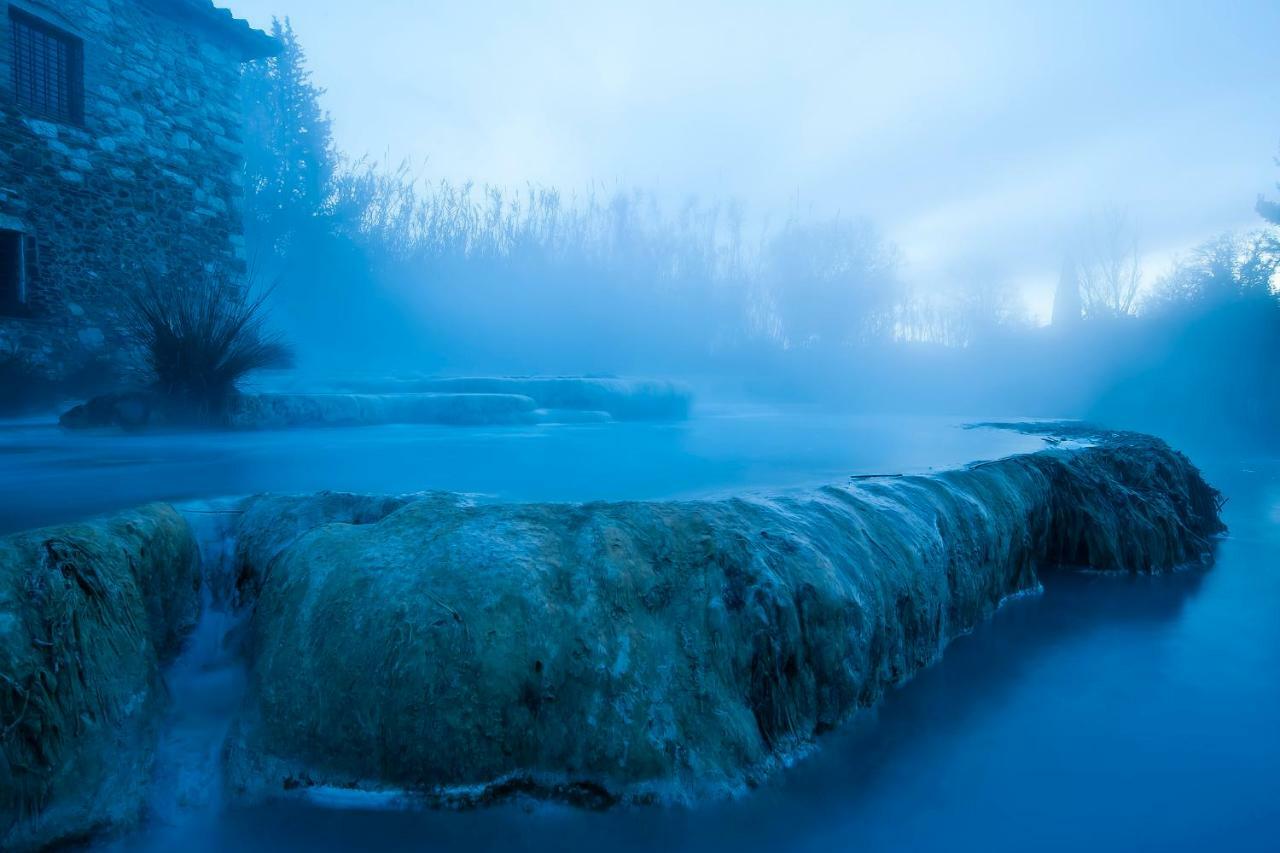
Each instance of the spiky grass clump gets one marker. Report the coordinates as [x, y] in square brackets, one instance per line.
[199, 342]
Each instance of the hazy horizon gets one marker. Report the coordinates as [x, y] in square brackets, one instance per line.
[972, 139]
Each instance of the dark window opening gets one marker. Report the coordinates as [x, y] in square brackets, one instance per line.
[13, 273]
[48, 68]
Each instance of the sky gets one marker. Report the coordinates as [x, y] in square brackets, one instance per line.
[975, 135]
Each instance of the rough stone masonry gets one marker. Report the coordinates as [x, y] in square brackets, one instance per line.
[120, 157]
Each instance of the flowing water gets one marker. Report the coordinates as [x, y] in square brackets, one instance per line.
[1114, 713]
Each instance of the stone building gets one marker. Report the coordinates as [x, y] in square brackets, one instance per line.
[120, 162]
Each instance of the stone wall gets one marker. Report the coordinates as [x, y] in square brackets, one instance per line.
[149, 185]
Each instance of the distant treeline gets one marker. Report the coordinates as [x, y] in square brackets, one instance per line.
[378, 269]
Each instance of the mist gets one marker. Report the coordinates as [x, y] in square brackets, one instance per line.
[978, 135]
[666, 426]
[786, 195]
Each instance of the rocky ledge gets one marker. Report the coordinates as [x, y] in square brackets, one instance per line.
[622, 399]
[632, 651]
[451, 402]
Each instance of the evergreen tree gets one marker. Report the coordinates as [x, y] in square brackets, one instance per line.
[289, 153]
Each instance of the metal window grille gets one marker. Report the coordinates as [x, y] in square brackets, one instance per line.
[48, 69]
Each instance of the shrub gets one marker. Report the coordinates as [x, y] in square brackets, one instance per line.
[198, 342]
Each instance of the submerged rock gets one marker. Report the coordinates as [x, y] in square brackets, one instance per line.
[611, 651]
[88, 614]
[130, 410]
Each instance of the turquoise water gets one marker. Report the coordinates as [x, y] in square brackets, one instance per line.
[1108, 713]
[48, 475]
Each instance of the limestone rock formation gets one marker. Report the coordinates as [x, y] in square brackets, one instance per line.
[89, 613]
[611, 651]
[621, 398]
[277, 411]
[453, 402]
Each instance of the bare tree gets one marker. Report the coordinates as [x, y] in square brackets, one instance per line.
[1109, 265]
[989, 305]
[834, 282]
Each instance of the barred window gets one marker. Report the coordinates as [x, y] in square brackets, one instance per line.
[48, 68]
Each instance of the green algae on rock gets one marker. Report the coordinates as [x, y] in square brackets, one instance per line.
[632, 651]
[88, 615]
